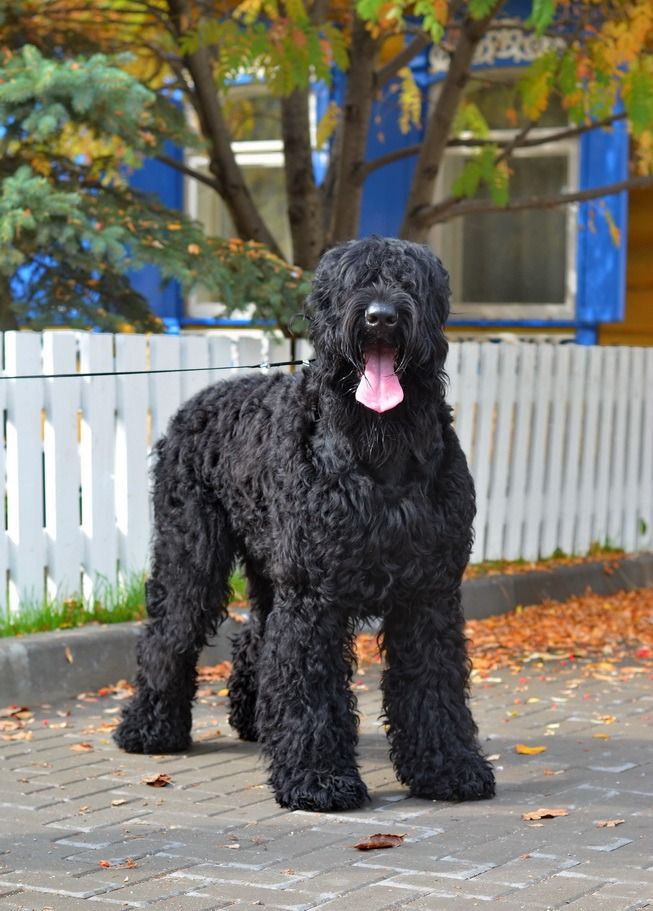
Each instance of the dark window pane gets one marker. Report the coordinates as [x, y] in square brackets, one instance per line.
[495, 101]
[252, 118]
[512, 257]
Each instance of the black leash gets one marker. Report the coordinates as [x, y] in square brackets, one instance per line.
[65, 376]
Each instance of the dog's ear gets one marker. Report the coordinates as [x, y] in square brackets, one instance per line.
[433, 280]
[324, 279]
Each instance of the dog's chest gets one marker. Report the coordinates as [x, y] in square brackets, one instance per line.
[374, 542]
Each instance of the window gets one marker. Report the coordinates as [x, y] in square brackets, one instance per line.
[513, 265]
[255, 121]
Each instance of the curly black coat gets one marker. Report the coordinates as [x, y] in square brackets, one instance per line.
[339, 512]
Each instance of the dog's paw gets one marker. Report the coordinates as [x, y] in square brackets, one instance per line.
[244, 725]
[139, 737]
[468, 777]
[322, 792]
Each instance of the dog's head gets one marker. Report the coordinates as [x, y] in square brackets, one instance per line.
[377, 312]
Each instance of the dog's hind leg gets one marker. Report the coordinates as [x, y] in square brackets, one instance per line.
[433, 736]
[243, 681]
[186, 598]
[306, 710]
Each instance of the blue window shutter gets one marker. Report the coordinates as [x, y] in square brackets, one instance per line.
[167, 184]
[386, 190]
[601, 264]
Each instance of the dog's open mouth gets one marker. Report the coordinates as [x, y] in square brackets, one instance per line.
[379, 387]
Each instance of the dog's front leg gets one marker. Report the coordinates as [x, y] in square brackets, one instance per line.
[306, 710]
[432, 733]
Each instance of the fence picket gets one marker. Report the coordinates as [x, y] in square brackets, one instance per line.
[97, 451]
[645, 516]
[634, 432]
[132, 495]
[606, 390]
[279, 350]
[250, 353]
[24, 470]
[620, 445]
[572, 451]
[453, 372]
[221, 354]
[61, 462]
[164, 388]
[483, 447]
[519, 460]
[194, 353]
[467, 390]
[552, 503]
[305, 350]
[498, 496]
[4, 538]
[535, 493]
[589, 446]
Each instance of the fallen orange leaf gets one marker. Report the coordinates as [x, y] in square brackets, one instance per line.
[82, 747]
[545, 813]
[161, 780]
[524, 750]
[380, 840]
[208, 672]
[608, 823]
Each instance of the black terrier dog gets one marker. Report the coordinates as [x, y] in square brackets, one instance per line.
[344, 493]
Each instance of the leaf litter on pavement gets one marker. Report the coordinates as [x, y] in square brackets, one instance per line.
[609, 628]
[605, 631]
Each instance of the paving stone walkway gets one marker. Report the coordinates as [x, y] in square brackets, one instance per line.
[79, 829]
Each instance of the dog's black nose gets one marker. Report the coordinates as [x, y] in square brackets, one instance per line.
[381, 314]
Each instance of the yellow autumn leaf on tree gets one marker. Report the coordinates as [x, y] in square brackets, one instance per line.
[410, 101]
[328, 123]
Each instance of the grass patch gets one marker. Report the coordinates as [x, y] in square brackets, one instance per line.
[558, 558]
[111, 604]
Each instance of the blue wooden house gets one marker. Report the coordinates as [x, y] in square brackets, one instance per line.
[554, 272]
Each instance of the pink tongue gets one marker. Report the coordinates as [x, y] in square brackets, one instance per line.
[379, 388]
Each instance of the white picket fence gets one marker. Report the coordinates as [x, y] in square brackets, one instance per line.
[559, 439]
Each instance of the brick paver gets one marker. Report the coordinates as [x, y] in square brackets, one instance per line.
[80, 830]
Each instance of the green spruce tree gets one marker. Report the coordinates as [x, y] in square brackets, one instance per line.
[71, 226]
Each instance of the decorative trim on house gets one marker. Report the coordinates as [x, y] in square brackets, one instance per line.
[505, 43]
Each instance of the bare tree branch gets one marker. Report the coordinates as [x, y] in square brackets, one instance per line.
[189, 172]
[453, 206]
[569, 133]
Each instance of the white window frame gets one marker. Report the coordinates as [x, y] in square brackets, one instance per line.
[257, 153]
[515, 309]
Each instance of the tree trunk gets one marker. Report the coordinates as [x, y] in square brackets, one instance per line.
[7, 316]
[304, 200]
[222, 162]
[439, 125]
[352, 138]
